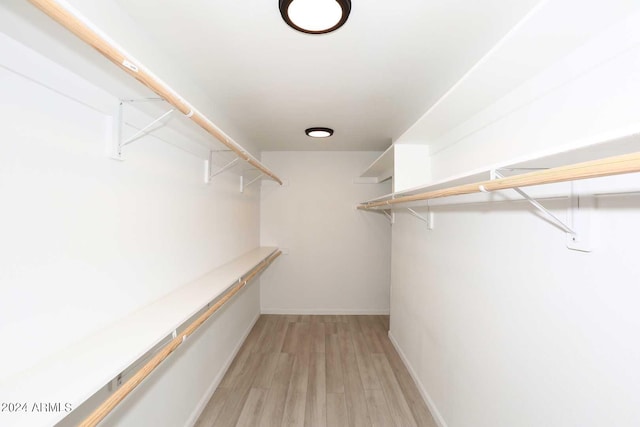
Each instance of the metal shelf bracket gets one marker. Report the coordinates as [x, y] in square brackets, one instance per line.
[118, 124]
[388, 213]
[546, 212]
[391, 216]
[428, 219]
[243, 186]
[209, 174]
[579, 212]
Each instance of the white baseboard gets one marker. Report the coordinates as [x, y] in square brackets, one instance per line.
[216, 381]
[325, 311]
[425, 396]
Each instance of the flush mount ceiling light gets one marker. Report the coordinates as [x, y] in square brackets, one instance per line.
[315, 16]
[319, 132]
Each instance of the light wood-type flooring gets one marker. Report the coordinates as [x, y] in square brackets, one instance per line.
[317, 371]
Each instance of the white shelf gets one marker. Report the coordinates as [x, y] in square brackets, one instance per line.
[623, 142]
[381, 169]
[85, 76]
[75, 374]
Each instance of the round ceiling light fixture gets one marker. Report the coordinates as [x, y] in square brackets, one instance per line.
[315, 16]
[319, 132]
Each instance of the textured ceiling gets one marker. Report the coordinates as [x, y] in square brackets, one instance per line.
[370, 80]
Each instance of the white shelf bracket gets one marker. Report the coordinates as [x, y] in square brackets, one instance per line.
[243, 186]
[388, 213]
[115, 151]
[545, 212]
[209, 174]
[428, 219]
[581, 214]
[118, 125]
[391, 216]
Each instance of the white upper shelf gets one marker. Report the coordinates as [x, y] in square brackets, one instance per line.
[625, 143]
[382, 168]
[99, 358]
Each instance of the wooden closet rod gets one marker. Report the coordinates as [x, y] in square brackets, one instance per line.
[616, 165]
[108, 405]
[71, 22]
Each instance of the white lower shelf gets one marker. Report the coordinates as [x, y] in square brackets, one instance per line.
[75, 374]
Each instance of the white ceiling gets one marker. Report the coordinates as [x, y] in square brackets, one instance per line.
[370, 80]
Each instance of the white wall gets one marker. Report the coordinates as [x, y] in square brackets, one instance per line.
[503, 326]
[87, 240]
[338, 260]
[587, 96]
[500, 323]
[24, 22]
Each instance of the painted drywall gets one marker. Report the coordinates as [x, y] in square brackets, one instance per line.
[87, 239]
[588, 96]
[338, 257]
[24, 22]
[504, 326]
[548, 33]
[499, 322]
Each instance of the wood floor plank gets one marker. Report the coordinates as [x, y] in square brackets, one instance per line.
[290, 344]
[385, 322]
[263, 341]
[252, 409]
[300, 375]
[304, 337]
[329, 318]
[266, 370]
[239, 392]
[365, 365]
[297, 339]
[294, 409]
[337, 410]
[230, 412]
[317, 371]
[380, 324]
[335, 383]
[277, 397]
[317, 337]
[409, 389]
[344, 338]
[342, 318]
[236, 367]
[354, 392]
[243, 354]
[213, 408]
[398, 407]
[305, 318]
[280, 333]
[371, 336]
[248, 372]
[330, 328]
[253, 336]
[378, 408]
[354, 324]
[316, 406]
